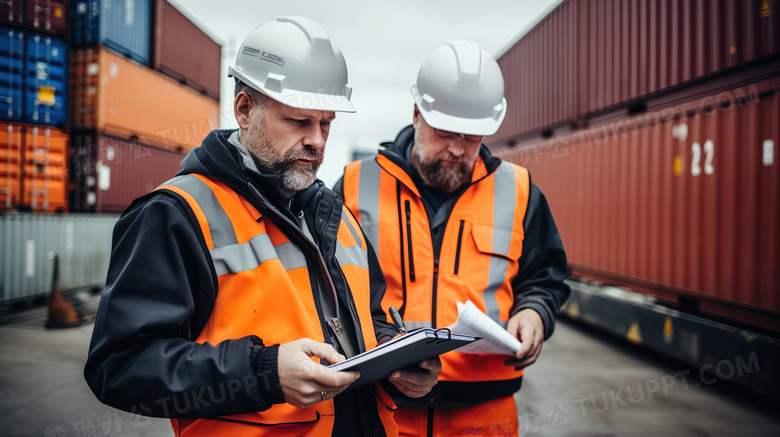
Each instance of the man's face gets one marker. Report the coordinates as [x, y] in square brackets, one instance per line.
[289, 143]
[443, 163]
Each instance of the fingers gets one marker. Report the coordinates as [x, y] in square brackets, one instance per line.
[416, 383]
[527, 326]
[322, 351]
[303, 380]
[528, 353]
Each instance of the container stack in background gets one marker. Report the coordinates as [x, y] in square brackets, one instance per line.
[34, 66]
[652, 127]
[145, 90]
[100, 100]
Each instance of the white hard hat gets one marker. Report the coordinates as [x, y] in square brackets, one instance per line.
[292, 60]
[460, 89]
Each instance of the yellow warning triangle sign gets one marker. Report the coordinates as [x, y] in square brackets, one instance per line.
[633, 334]
[668, 329]
[573, 311]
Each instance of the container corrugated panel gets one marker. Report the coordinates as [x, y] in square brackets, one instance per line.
[682, 203]
[122, 98]
[82, 242]
[644, 47]
[10, 165]
[11, 74]
[12, 12]
[589, 57]
[47, 80]
[34, 168]
[48, 16]
[109, 173]
[45, 176]
[183, 51]
[538, 75]
[123, 25]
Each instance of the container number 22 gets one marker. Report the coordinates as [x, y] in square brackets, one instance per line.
[696, 158]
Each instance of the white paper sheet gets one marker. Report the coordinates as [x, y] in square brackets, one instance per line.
[495, 339]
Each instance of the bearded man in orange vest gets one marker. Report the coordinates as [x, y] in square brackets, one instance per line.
[458, 224]
[234, 284]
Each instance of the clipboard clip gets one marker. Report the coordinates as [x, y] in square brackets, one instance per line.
[440, 335]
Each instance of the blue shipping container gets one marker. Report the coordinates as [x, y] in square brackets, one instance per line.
[47, 81]
[11, 74]
[122, 25]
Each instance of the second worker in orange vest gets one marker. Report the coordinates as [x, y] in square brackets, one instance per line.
[452, 223]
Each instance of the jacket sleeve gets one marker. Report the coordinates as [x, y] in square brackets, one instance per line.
[539, 282]
[160, 290]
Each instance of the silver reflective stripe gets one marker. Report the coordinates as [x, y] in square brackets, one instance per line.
[368, 200]
[219, 223]
[228, 255]
[345, 220]
[351, 255]
[236, 258]
[414, 325]
[291, 257]
[503, 217]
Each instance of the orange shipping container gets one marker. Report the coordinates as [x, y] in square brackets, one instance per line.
[10, 165]
[40, 184]
[45, 174]
[123, 98]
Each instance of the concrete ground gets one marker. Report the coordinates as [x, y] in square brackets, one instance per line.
[584, 384]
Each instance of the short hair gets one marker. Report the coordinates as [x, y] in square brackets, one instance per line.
[257, 97]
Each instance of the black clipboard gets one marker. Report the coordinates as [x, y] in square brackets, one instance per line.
[402, 351]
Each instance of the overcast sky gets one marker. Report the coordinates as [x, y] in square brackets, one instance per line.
[384, 44]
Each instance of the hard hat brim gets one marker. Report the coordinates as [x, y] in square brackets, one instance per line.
[300, 99]
[468, 126]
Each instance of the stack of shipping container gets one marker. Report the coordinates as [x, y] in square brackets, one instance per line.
[652, 127]
[144, 91]
[100, 100]
[34, 57]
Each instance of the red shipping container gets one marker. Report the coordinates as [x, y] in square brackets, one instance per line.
[183, 51]
[590, 57]
[12, 12]
[108, 173]
[48, 16]
[681, 203]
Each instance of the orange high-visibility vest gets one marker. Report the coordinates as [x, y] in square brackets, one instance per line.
[478, 259]
[265, 290]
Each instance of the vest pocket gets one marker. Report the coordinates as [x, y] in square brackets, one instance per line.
[282, 414]
[498, 241]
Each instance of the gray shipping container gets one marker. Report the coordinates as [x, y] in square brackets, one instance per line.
[81, 241]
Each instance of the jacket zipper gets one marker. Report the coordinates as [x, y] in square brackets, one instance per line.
[409, 240]
[312, 255]
[457, 251]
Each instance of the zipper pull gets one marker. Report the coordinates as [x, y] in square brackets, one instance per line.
[341, 337]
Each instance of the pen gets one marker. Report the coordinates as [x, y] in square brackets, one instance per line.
[397, 320]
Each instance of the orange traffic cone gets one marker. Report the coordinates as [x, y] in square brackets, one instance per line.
[62, 313]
